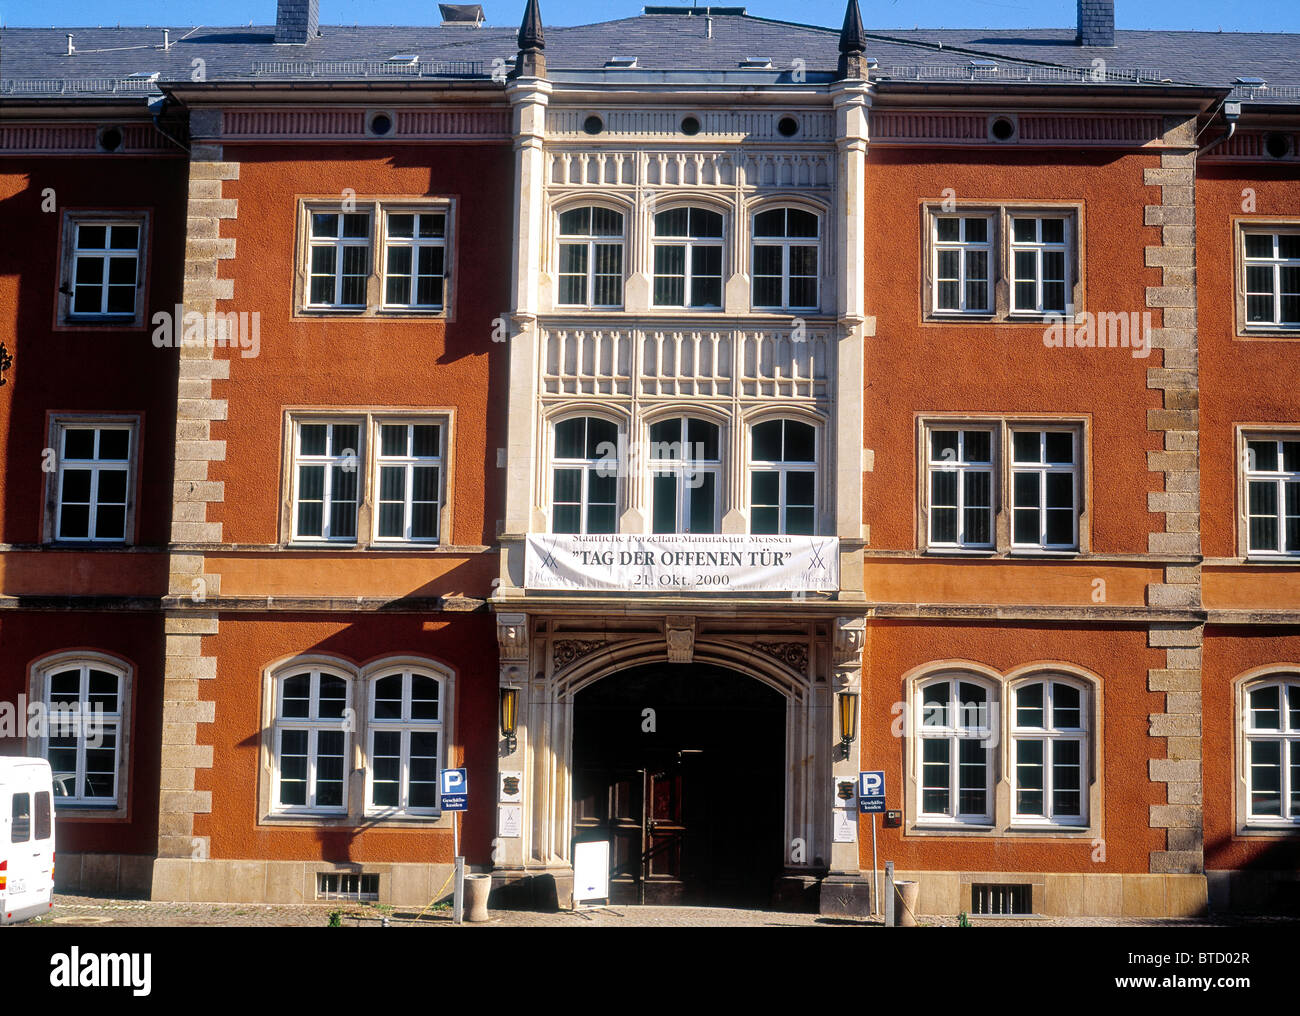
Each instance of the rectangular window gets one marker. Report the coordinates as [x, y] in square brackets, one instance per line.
[1271, 259]
[20, 830]
[961, 488]
[106, 279]
[1044, 489]
[326, 489]
[1272, 482]
[415, 260]
[410, 481]
[376, 257]
[92, 488]
[1039, 264]
[963, 255]
[339, 259]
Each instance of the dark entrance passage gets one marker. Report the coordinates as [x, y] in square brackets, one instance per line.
[682, 769]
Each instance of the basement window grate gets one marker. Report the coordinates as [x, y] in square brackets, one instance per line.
[1001, 899]
[341, 885]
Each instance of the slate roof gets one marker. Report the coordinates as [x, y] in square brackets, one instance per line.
[33, 61]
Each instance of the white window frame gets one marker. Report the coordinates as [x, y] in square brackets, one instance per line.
[1279, 478]
[586, 466]
[961, 467]
[1287, 735]
[339, 243]
[408, 463]
[1042, 469]
[1050, 734]
[313, 724]
[117, 720]
[785, 243]
[405, 726]
[415, 243]
[1039, 248]
[1275, 263]
[963, 247]
[328, 461]
[590, 241]
[688, 244]
[953, 734]
[60, 427]
[76, 253]
[783, 468]
[684, 468]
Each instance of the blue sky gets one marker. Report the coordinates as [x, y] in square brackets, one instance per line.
[1205, 15]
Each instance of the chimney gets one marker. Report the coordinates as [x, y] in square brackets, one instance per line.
[296, 21]
[1096, 23]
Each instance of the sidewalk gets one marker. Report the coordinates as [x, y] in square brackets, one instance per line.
[92, 911]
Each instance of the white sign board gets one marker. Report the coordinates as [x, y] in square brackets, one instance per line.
[682, 563]
[590, 871]
[510, 817]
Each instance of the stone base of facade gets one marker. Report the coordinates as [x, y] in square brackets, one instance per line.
[1254, 892]
[947, 893]
[117, 874]
[549, 889]
[844, 896]
[182, 880]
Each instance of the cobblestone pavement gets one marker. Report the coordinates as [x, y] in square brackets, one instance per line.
[91, 911]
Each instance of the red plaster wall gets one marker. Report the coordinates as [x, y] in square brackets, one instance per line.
[247, 644]
[1118, 656]
[915, 367]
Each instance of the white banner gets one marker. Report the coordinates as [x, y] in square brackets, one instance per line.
[684, 564]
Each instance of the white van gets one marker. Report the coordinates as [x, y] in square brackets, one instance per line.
[26, 838]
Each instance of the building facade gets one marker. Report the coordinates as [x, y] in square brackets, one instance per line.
[664, 420]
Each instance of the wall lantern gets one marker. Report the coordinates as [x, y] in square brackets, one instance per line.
[848, 703]
[510, 717]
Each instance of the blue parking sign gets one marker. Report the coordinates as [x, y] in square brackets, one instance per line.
[871, 792]
[453, 789]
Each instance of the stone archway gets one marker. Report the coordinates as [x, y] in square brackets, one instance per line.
[550, 659]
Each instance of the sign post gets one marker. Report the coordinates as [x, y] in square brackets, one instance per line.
[453, 796]
[871, 799]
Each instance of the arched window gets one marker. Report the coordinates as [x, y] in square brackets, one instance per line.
[311, 740]
[86, 702]
[685, 467]
[783, 478]
[1271, 756]
[1049, 752]
[956, 734]
[405, 742]
[786, 259]
[688, 258]
[584, 491]
[591, 258]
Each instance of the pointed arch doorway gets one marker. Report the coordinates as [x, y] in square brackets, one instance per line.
[682, 769]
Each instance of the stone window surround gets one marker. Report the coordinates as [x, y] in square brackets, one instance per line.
[634, 491]
[38, 676]
[63, 319]
[1004, 826]
[57, 422]
[378, 207]
[1241, 687]
[737, 248]
[1002, 212]
[1003, 425]
[369, 418]
[360, 681]
[1240, 225]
